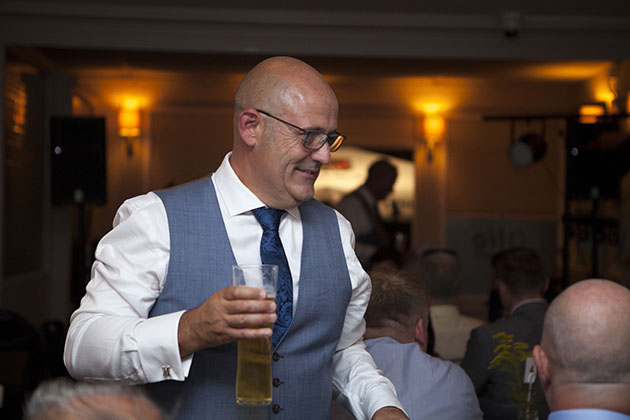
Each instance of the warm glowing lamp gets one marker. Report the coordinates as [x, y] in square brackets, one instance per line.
[129, 123]
[433, 128]
[590, 112]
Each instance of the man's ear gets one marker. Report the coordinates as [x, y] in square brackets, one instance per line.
[422, 335]
[542, 366]
[249, 126]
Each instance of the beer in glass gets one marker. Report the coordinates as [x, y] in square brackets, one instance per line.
[253, 371]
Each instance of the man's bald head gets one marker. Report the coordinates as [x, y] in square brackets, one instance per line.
[279, 82]
[276, 104]
[586, 334]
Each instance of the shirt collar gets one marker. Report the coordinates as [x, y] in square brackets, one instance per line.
[237, 197]
[527, 301]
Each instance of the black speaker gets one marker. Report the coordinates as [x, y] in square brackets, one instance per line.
[78, 166]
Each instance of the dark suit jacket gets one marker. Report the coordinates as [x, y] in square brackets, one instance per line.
[525, 323]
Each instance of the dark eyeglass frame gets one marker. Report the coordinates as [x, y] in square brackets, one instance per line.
[334, 140]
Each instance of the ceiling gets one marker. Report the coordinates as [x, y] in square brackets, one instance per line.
[351, 42]
[459, 7]
[396, 29]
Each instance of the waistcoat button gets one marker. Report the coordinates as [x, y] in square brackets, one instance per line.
[276, 382]
[275, 357]
[275, 408]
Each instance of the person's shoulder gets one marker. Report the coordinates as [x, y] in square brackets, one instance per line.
[508, 325]
[148, 202]
[485, 332]
[454, 372]
[381, 343]
[389, 348]
[192, 186]
[350, 199]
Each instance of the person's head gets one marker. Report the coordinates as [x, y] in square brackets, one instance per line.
[269, 155]
[62, 399]
[584, 353]
[441, 272]
[398, 307]
[519, 275]
[381, 178]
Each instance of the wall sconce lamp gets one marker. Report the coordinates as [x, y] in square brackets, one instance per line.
[129, 124]
[433, 129]
[589, 113]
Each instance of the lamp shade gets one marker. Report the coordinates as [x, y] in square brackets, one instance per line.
[129, 122]
[433, 128]
[590, 112]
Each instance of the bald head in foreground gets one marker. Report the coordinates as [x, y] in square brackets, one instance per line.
[583, 360]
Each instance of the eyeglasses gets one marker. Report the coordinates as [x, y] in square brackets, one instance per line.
[313, 139]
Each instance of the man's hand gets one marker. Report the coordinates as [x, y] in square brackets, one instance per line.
[230, 314]
[389, 413]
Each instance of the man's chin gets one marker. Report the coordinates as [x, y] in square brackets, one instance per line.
[303, 196]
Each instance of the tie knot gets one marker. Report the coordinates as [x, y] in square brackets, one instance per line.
[268, 218]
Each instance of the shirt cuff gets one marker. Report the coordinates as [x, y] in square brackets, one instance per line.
[379, 396]
[158, 349]
[376, 402]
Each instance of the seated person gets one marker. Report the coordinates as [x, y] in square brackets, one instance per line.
[502, 392]
[396, 337]
[440, 270]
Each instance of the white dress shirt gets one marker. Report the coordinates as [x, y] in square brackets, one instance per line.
[111, 337]
[452, 331]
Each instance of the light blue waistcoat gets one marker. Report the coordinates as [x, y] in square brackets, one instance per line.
[201, 262]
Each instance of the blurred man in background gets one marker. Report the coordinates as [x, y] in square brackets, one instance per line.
[373, 241]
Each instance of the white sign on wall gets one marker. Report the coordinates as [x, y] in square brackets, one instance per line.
[477, 240]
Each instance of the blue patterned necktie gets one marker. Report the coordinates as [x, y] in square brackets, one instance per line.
[272, 252]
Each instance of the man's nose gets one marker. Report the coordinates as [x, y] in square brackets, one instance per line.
[322, 155]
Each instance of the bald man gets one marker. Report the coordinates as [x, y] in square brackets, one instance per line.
[160, 308]
[583, 360]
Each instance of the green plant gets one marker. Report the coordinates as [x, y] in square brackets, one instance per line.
[510, 357]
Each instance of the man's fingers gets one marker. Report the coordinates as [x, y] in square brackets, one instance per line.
[250, 307]
[250, 333]
[250, 320]
[243, 292]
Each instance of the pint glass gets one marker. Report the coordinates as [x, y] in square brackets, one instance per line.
[253, 371]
